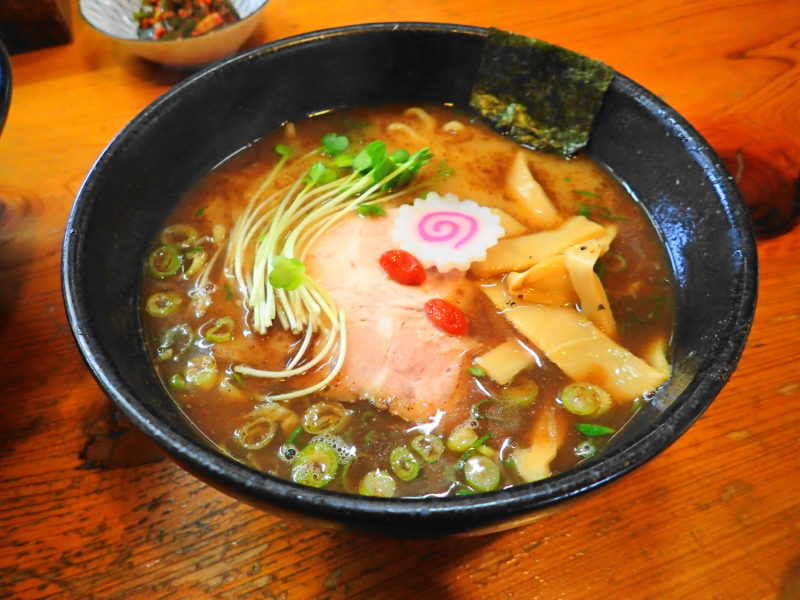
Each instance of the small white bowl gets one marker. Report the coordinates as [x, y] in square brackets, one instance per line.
[114, 18]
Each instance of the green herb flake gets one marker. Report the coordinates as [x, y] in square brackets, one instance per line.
[228, 292]
[477, 372]
[601, 212]
[199, 211]
[586, 193]
[370, 210]
[445, 170]
[539, 94]
[591, 430]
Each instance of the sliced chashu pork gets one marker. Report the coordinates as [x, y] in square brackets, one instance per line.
[395, 356]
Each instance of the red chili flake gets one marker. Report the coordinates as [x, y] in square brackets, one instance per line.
[403, 267]
[447, 317]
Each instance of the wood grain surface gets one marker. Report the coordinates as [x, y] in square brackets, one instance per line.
[89, 509]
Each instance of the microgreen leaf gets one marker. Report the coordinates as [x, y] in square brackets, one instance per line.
[334, 144]
[377, 152]
[400, 156]
[362, 162]
[343, 160]
[284, 150]
[591, 430]
[286, 273]
[370, 210]
[382, 169]
[319, 173]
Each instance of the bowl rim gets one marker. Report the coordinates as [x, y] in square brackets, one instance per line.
[6, 84]
[136, 40]
[451, 514]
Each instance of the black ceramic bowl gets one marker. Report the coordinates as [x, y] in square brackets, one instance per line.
[181, 136]
[5, 84]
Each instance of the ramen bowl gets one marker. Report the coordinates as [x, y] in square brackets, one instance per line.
[679, 181]
[5, 84]
[115, 20]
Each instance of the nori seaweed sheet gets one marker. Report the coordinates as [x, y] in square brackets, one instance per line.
[541, 95]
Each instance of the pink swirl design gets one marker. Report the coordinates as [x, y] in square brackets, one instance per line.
[443, 226]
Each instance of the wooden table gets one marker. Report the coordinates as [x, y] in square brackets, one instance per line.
[88, 509]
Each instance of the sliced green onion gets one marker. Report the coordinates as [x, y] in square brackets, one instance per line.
[377, 483]
[461, 438]
[370, 210]
[181, 236]
[162, 304]
[482, 473]
[613, 262]
[293, 436]
[591, 430]
[201, 372]
[585, 399]
[475, 410]
[429, 447]
[286, 273]
[257, 433]
[325, 417]
[471, 450]
[175, 342]
[164, 261]
[222, 331]
[587, 193]
[316, 464]
[403, 463]
[585, 449]
[521, 394]
[198, 258]
[477, 372]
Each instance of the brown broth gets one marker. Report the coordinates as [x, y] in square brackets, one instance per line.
[471, 163]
